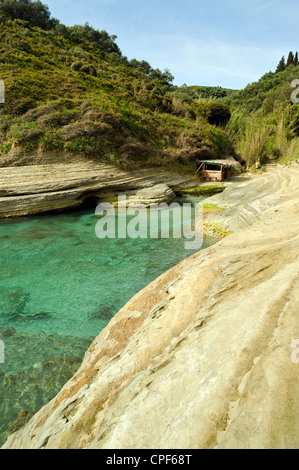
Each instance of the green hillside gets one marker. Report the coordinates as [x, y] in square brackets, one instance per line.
[265, 120]
[189, 94]
[71, 89]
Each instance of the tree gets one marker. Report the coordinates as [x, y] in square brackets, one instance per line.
[60, 28]
[146, 66]
[36, 13]
[134, 63]
[167, 77]
[296, 59]
[282, 65]
[217, 114]
[290, 60]
[164, 78]
[79, 34]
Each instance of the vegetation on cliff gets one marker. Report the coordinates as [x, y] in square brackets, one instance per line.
[71, 89]
[264, 122]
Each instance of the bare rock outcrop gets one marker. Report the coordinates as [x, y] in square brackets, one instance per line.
[34, 189]
[246, 198]
[200, 358]
[157, 194]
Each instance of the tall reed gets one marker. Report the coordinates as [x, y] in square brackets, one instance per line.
[253, 145]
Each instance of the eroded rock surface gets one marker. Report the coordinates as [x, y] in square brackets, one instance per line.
[35, 189]
[200, 358]
[157, 194]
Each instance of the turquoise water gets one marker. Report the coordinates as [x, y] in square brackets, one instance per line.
[59, 287]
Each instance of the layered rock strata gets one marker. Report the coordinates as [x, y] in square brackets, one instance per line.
[34, 189]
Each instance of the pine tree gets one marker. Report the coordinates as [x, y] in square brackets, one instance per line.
[290, 60]
[296, 60]
[282, 65]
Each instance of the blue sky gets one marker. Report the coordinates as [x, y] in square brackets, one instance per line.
[227, 43]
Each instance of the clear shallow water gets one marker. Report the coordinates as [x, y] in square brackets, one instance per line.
[59, 287]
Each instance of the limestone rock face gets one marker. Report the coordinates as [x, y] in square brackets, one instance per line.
[246, 198]
[35, 189]
[202, 357]
[160, 193]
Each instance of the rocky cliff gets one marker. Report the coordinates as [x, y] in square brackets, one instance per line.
[34, 189]
[200, 358]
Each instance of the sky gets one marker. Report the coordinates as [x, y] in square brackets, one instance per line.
[227, 43]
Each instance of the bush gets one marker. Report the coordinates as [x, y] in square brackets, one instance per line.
[89, 70]
[76, 66]
[217, 114]
[64, 95]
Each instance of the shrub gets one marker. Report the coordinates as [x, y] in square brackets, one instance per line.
[76, 66]
[89, 70]
[217, 114]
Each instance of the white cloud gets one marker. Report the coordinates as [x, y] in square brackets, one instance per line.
[210, 61]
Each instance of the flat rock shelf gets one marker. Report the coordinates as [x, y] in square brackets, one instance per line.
[35, 189]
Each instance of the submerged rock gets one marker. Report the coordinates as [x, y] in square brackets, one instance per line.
[23, 418]
[13, 301]
[103, 312]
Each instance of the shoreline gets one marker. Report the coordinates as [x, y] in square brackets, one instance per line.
[201, 357]
[36, 189]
